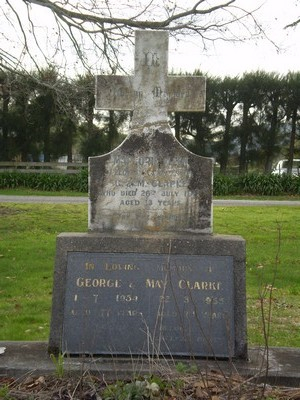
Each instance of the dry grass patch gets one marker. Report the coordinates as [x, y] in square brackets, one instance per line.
[201, 386]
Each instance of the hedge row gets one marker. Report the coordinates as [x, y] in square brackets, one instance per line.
[253, 184]
[47, 182]
[256, 184]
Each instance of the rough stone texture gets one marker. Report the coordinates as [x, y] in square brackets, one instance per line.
[133, 246]
[150, 93]
[23, 358]
[150, 183]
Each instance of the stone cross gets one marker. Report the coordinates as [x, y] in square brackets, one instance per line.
[150, 93]
[150, 183]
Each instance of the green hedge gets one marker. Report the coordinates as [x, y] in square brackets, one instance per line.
[256, 184]
[253, 184]
[43, 181]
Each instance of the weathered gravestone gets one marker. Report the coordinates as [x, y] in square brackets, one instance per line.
[150, 183]
[149, 276]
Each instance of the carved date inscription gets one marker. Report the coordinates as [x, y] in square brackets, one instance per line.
[135, 303]
[149, 193]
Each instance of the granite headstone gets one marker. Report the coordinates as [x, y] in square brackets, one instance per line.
[149, 277]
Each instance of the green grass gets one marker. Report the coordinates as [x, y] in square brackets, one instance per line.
[27, 249]
[261, 227]
[33, 192]
[256, 197]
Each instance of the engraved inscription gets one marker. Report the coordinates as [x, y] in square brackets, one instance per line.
[180, 93]
[183, 294]
[156, 192]
[151, 59]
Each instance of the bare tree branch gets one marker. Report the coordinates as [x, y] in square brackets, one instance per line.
[293, 24]
[104, 28]
[78, 18]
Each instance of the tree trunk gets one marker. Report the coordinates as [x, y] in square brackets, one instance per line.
[244, 140]
[292, 141]
[199, 137]
[6, 99]
[226, 142]
[112, 130]
[177, 126]
[70, 150]
[271, 141]
[47, 142]
[25, 139]
[90, 115]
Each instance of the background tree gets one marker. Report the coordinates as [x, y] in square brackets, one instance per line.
[249, 96]
[293, 112]
[95, 35]
[17, 136]
[224, 98]
[193, 129]
[84, 102]
[195, 132]
[272, 86]
[21, 129]
[50, 115]
[43, 108]
[4, 92]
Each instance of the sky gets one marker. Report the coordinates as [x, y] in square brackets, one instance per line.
[234, 59]
[225, 58]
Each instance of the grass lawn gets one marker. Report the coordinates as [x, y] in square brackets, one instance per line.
[27, 248]
[269, 231]
[33, 192]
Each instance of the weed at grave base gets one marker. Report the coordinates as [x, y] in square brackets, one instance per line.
[137, 389]
[4, 392]
[59, 364]
[169, 387]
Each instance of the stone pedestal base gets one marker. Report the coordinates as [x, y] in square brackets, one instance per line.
[158, 294]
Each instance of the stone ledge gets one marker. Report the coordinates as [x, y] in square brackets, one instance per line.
[21, 358]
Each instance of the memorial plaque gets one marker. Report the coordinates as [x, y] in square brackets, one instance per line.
[136, 303]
